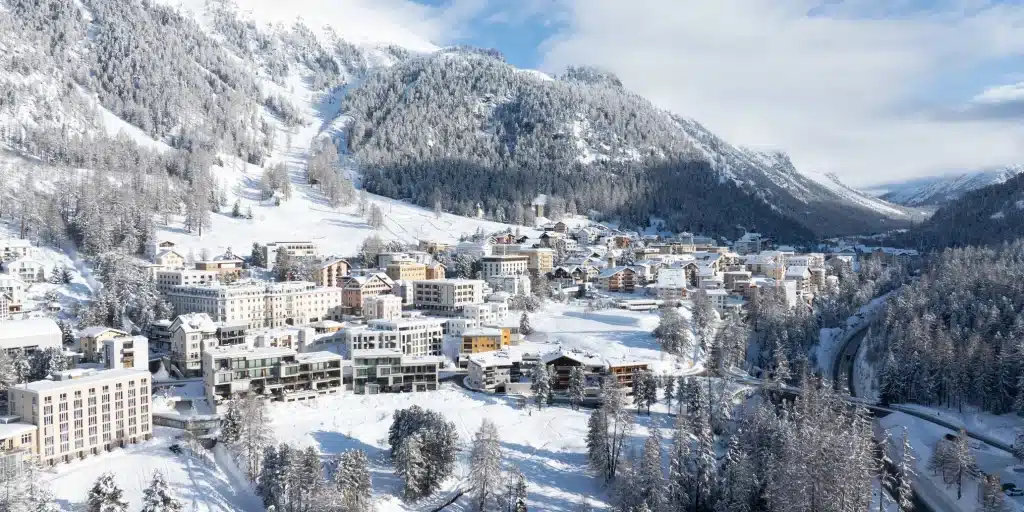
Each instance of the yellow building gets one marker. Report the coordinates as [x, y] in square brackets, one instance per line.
[91, 339]
[488, 339]
[405, 270]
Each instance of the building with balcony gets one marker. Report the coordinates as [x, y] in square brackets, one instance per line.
[90, 341]
[275, 373]
[85, 412]
[493, 371]
[259, 304]
[331, 272]
[406, 270]
[166, 279]
[503, 265]
[30, 335]
[126, 352]
[390, 371]
[191, 335]
[382, 307]
[447, 295]
[416, 336]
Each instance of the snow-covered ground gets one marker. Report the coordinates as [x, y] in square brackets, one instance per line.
[201, 485]
[1003, 428]
[831, 340]
[923, 437]
[35, 300]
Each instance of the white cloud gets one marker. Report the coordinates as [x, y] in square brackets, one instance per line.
[1001, 94]
[833, 89]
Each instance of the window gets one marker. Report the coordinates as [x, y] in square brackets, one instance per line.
[26, 438]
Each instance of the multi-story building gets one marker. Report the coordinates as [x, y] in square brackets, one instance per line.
[489, 313]
[169, 259]
[14, 288]
[259, 304]
[417, 336]
[541, 260]
[564, 361]
[228, 266]
[159, 334]
[457, 326]
[84, 412]
[749, 243]
[388, 370]
[27, 269]
[435, 270]
[503, 265]
[357, 288]
[91, 339]
[295, 338]
[802, 277]
[671, 284]
[166, 279]
[17, 444]
[5, 307]
[14, 248]
[277, 373]
[617, 279]
[154, 247]
[191, 335]
[126, 352]
[406, 270]
[231, 334]
[364, 338]
[382, 307]
[484, 339]
[331, 272]
[447, 295]
[294, 249]
[624, 371]
[492, 371]
[30, 335]
[514, 285]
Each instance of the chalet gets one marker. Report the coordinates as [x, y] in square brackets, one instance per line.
[561, 227]
[156, 247]
[617, 279]
[563, 361]
[436, 270]
[331, 272]
[624, 371]
[357, 288]
[169, 259]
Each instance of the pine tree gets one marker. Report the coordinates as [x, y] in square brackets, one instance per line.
[157, 497]
[410, 466]
[639, 391]
[376, 217]
[650, 479]
[904, 474]
[670, 388]
[524, 324]
[577, 387]
[269, 483]
[353, 481]
[673, 332]
[485, 466]
[231, 425]
[67, 332]
[254, 435]
[541, 385]
[236, 209]
[106, 496]
[650, 392]
[962, 461]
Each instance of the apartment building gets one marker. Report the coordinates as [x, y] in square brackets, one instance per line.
[503, 265]
[617, 279]
[169, 259]
[382, 307]
[83, 412]
[484, 339]
[231, 334]
[14, 248]
[540, 260]
[305, 249]
[802, 277]
[447, 295]
[489, 313]
[295, 338]
[90, 341]
[625, 371]
[17, 444]
[30, 335]
[406, 270]
[14, 288]
[167, 279]
[259, 304]
[331, 272]
[228, 266]
[126, 352]
[457, 326]
[364, 338]
[191, 335]
[159, 334]
[435, 270]
[278, 373]
[493, 371]
[514, 285]
[357, 288]
[388, 370]
[416, 336]
[27, 269]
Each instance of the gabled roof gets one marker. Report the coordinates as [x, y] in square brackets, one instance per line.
[585, 359]
[168, 251]
[96, 330]
[609, 272]
[796, 271]
[195, 322]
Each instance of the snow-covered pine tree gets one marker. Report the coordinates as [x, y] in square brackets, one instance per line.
[352, 479]
[236, 209]
[962, 462]
[639, 390]
[269, 484]
[106, 496]
[577, 387]
[524, 324]
[8, 371]
[904, 474]
[47, 362]
[736, 482]
[702, 460]
[541, 385]
[157, 497]
[231, 425]
[376, 217]
[254, 435]
[885, 479]
[670, 389]
[309, 478]
[67, 332]
[485, 466]
[650, 394]
[673, 332]
[410, 466]
[519, 491]
[650, 479]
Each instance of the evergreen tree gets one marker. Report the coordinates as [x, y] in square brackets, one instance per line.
[519, 492]
[962, 462]
[231, 425]
[157, 497]
[485, 466]
[236, 209]
[376, 217]
[106, 496]
[541, 385]
[67, 332]
[254, 435]
[608, 430]
[353, 481]
[904, 474]
[673, 332]
[524, 324]
[650, 479]
[670, 388]
[410, 466]
[270, 482]
[577, 387]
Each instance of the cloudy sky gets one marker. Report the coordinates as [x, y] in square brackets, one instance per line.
[873, 90]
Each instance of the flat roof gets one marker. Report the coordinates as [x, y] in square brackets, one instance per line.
[40, 386]
[377, 352]
[9, 430]
[15, 329]
[245, 350]
[482, 332]
[323, 355]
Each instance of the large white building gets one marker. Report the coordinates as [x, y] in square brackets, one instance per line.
[126, 352]
[30, 335]
[294, 249]
[13, 287]
[276, 373]
[364, 338]
[490, 313]
[27, 269]
[503, 265]
[14, 248]
[387, 370]
[447, 295]
[167, 279]
[259, 304]
[191, 335]
[84, 412]
[383, 307]
[416, 336]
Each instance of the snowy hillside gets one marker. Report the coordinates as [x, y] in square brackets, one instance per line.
[938, 190]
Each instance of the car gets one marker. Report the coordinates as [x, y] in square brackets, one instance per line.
[1014, 491]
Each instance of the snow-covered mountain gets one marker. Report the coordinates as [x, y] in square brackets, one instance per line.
[939, 190]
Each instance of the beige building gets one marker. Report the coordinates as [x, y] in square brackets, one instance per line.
[169, 259]
[303, 249]
[382, 307]
[406, 270]
[416, 336]
[17, 442]
[191, 335]
[357, 288]
[332, 272]
[276, 373]
[84, 412]
[541, 260]
[91, 339]
[435, 270]
[229, 267]
[503, 265]
[447, 295]
[259, 304]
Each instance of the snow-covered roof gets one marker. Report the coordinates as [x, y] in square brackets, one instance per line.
[193, 322]
[166, 252]
[482, 332]
[584, 358]
[609, 272]
[96, 330]
[15, 329]
[496, 358]
[247, 351]
[796, 271]
[14, 429]
[82, 377]
[317, 357]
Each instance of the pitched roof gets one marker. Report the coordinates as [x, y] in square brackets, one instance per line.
[609, 272]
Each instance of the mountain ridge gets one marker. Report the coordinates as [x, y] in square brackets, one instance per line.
[940, 190]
